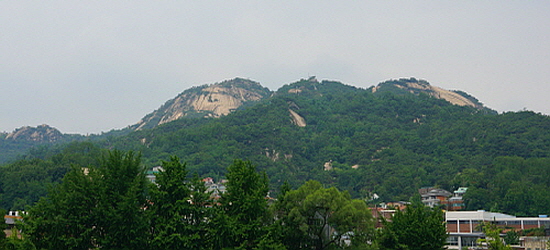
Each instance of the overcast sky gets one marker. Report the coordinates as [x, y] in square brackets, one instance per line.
[92, 66]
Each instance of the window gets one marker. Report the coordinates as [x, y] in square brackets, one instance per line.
[530, 222]
[469, 241]
[476, 226]
[452, 240]
[513, 222]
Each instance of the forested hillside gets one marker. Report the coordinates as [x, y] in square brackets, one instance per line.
[388, 142]
[14, 144]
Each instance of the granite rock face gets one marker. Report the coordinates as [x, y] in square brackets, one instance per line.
[41, 133]
[415, 86]
[213, 100]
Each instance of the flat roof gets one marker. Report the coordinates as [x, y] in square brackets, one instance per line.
[486, 216]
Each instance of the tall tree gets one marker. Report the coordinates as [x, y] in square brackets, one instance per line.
[321, 218]
[201, 214]
[67, 217]
[124, 224]
[243, 207]
[416, 228]
[179, 213]
[94, 207]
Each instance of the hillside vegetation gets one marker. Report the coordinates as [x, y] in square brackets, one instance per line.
[14, 144]
[386, 142]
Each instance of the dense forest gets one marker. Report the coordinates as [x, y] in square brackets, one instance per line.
[388, 142]
[112, 206]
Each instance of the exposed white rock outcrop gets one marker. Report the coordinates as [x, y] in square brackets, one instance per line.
[210, 101]
[297, 119]
[41, 133]
[422, 86]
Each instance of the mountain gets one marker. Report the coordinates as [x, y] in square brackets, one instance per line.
[387, 140]
[22, 139]
[213, 100]
[414, 86]
[310, 88]
[41, 133]
[220, 99]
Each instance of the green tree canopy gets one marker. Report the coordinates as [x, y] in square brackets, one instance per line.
[95, 207]
[320, 218]
[243, 214]
[416, 228]
[178, 206]
[492, 237]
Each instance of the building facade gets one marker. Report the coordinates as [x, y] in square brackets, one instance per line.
[464, 227]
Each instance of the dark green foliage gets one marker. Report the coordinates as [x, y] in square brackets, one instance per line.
[14, 242]
[179, 212]
[23, 139]
[416, 228]
[2, 227]
[23, 182]
[534, 232]
[313, 217]
[99, 206]
[243, 216]
[123, 198]
[511, 238]
[69, 209]
[513, 185]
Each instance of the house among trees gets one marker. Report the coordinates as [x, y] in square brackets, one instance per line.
[456, 202]
[436, 197]
[215, 189]
[380, 214]
[150, 174]
[385, 211]
[11, 218]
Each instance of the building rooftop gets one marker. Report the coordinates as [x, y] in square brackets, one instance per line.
[483, 215]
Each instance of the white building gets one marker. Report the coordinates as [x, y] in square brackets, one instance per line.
[464, 226]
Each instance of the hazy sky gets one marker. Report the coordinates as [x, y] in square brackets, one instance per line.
[92, 66]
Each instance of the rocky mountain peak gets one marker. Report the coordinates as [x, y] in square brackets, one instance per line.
[414, 86]
[41, 133]
[213, 100]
